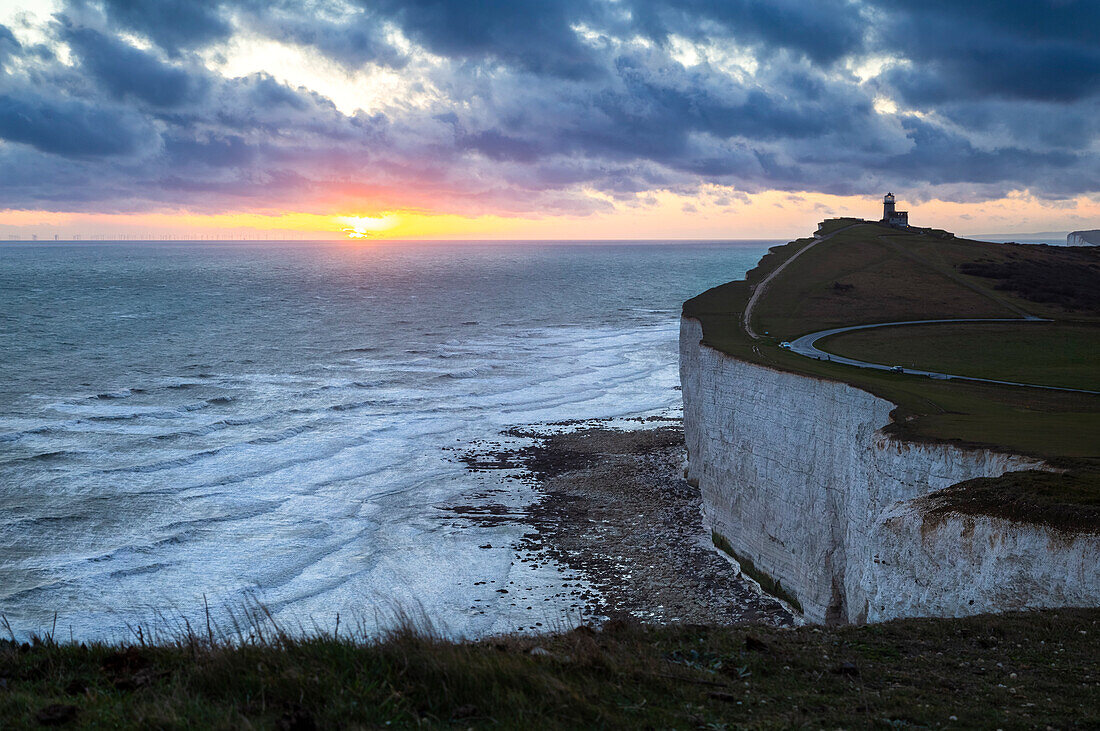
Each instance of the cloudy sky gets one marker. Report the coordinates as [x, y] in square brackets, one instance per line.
[545, 118]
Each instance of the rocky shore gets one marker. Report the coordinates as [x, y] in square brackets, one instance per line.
[616, 509]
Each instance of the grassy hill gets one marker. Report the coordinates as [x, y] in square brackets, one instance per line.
[870, 273]
[873, 273]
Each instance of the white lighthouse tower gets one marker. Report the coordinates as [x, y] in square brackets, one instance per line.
[890, 215]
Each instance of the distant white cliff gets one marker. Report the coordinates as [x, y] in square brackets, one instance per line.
[798, 476]
[1084, 238]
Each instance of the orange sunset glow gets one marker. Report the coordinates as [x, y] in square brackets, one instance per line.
[663, 216]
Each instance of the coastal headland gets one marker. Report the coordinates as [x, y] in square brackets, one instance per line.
[873, 493]
[1084, 238]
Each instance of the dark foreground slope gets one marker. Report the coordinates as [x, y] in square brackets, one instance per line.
[1036, 670]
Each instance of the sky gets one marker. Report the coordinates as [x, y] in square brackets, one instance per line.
[544, 119]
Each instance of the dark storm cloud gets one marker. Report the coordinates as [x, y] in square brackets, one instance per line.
[8, 44]
[539, 37]
[1045, 72]
[529, 102]
[352, 40]
[219, 152]
[532, 35]
[125, 71]
[498, 146]
[1017, 49]
[824, 30]
[171, 24]
[70, 127]
[1031, 124]
[940, 156]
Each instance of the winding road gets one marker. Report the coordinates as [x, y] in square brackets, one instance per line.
[806, 346]
[758, 290]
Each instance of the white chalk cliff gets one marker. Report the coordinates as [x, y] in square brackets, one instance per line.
[797, 474]
[1083, 238]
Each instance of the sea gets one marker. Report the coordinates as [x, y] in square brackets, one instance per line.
[189, 431]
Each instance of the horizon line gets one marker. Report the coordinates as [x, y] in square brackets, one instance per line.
[376, 241]
[666, 239]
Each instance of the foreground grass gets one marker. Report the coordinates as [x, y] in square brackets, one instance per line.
[1027, 670]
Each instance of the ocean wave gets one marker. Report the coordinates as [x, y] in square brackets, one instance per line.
[168, 414]
[24, 594]
[136, 551]
[42, 457]
[98, 411]
[248, 421]
[123, 393]
[182, 529]
[283, 435]
[51, 522]
[475, 372]
[193, 457]
[137, 570]
[338, 386]
[318, 456]
[354, 405]
[166, 464]
[202, 430]
[46, 429]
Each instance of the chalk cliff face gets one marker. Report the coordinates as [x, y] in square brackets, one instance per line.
[797, 475]
[1084, 238]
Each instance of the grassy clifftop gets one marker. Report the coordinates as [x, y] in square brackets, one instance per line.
[872, 273]
[869, 273]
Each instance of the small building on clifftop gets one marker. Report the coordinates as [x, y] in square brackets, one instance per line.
[893, 217]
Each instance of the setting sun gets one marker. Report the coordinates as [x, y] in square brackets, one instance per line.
[366, 227]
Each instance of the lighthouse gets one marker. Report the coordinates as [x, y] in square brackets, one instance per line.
[890, 215]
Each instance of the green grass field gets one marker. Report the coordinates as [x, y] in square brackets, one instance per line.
[1029, 670]
[1050, 354]
[907, 276]
[1063, 427]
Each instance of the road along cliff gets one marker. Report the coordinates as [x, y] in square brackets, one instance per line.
[801, 484]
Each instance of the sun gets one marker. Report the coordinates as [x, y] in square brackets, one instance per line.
[366, 227]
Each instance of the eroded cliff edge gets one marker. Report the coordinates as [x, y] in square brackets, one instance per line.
[799, 477]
